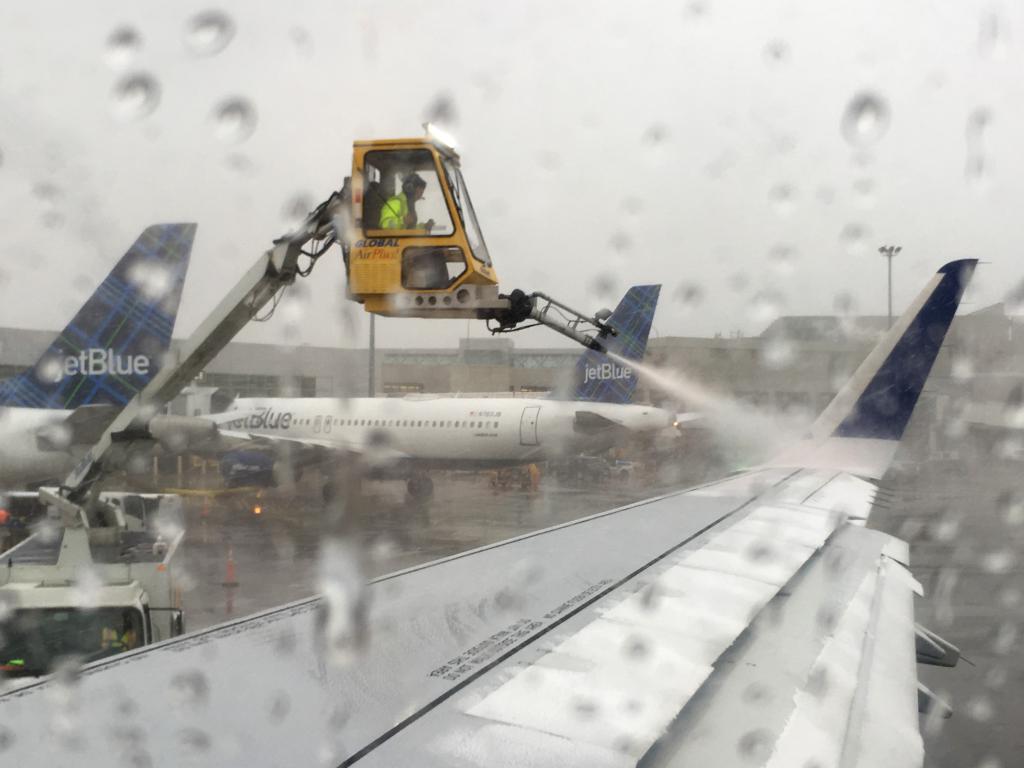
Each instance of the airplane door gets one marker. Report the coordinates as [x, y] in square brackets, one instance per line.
[528, 426]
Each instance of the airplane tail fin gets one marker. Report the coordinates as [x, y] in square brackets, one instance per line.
[116, 342]
[862, 426]
[598, 378]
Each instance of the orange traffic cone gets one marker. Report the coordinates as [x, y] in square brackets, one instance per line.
[230, 579]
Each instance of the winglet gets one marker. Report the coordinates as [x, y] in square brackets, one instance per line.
[862, 426]
[880, 397]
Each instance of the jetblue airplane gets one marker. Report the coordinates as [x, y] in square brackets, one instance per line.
[755, 620]
[109, 351]
[407, 437]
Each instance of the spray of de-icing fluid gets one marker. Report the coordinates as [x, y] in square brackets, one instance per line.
[756, 433]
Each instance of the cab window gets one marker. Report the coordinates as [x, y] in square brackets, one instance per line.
[403, 195]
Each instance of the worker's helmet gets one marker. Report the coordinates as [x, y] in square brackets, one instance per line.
[412, 182]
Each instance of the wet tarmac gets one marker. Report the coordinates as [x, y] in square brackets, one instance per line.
[965, 524]
[236, 562]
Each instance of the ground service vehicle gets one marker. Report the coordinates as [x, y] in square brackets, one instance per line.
[87, 593]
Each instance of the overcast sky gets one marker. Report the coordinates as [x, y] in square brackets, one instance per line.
[700, 145]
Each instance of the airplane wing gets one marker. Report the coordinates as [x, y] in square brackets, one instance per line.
[751, 621]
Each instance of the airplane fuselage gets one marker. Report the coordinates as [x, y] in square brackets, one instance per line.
[448, 431]
[30, 446]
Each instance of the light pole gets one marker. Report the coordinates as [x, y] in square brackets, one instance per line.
[888, 251]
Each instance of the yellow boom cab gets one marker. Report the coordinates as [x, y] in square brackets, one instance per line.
[416, 248]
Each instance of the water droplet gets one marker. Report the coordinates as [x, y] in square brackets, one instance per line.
[208, 33]
[154, 279]
[280, 706]
[1006, 638]
[135, 96]
[826, 195]
[620, 242]
[690, 295]
[341, 613]
[782, 198]
[584, 708]
[817, 681]
[1010, 506]
[636, 647]
[122, 46]
[234, 120]
[777, 352]
[6, 738]
[50, 369]
[1014, 300]
[757, 693]
[865, 191]
[766, 306]
[976, 168]
[962, 368]
[755, 746]
[194, 739]
[782, 259]
[980, 708]
[633, 205]
[999, 561]
[656, 134]
[604, 285]
[297, 208]
[190, 688]
[854, 239]
[776, 52]
[991, 36]
[441, 111]
[240, 163]
[865, 120]
[301, 39]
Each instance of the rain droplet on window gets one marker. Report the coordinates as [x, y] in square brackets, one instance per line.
[191, 688]
[854, 238]
[208, 33]
[865, 119]
[152, 278]
[122, 46]
[782, 259]
[865, 191]
[755, 746]
[777, 352]
[296, 209]
[782, 198]
[776, 52]
[999, 561]
[194, 739]
[135, 96]
[441, 111]
[976, 168]
[604, 285]
[690, 295]
[620, 242]
[234, 120]
[766, 306]
[656, 134]
[980, 708]
[991, 36]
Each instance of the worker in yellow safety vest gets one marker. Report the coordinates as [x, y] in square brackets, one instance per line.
[110, 638]
[399, 212]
